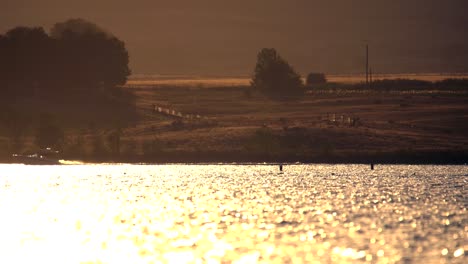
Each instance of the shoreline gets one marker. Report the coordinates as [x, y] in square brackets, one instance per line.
[235, 158]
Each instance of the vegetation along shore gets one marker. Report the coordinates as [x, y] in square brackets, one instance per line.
[96, 115]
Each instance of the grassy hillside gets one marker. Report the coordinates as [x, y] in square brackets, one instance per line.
[327, 125]
[331, 123]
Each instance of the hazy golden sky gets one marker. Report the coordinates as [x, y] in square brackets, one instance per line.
[222, 37]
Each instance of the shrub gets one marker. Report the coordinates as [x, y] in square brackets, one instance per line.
[264, 141]
[316, 78]
[274, 76]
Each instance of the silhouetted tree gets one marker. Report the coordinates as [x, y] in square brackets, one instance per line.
[24, 55]
[90, 57]
[316, 78]
[273, 76]
[77, 64]
[78, 54]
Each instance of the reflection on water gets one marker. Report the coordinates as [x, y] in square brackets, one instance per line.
[243, 214]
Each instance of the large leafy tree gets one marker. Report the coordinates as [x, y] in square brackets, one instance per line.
[90, 56]
[77, 54]
[274, 76]
[23, 66]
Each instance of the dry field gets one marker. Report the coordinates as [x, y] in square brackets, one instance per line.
[222, 121]
[210, 82]
[321, 122]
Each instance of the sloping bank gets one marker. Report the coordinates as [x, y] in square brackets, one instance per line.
[397, 157]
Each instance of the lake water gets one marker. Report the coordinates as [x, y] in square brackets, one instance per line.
[233, 213]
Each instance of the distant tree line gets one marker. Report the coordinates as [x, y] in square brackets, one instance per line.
[382, 85]
[76, 56]
[276, 78]
[68, 77]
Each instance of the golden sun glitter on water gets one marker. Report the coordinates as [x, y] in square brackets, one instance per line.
[232, 213]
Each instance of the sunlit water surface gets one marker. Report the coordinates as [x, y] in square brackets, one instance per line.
[229, 213]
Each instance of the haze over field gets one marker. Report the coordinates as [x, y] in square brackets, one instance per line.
[223, 37]
[233, 131]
